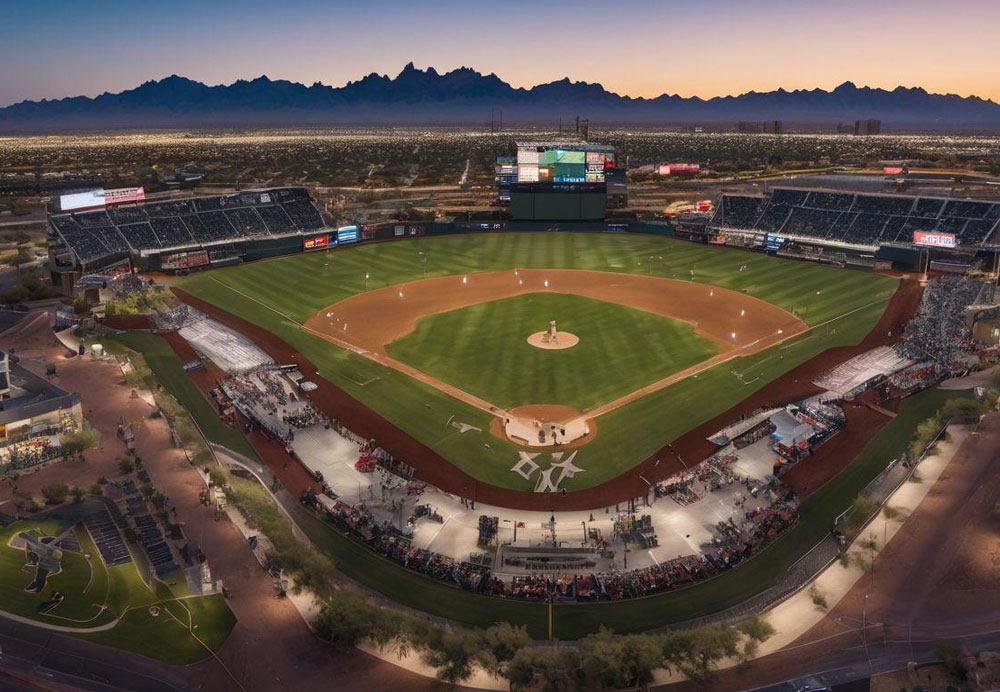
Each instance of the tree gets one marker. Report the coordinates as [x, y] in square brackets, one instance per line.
[78, 493]
[557, 670]
[451, 653]
[21, 256]
[497, 644]
[614, 662]
[55, 493]
[72, 443]
[756, 628]
[126, 465]
[951, 656]
[346, 619]
[50, 369]
[695, 652]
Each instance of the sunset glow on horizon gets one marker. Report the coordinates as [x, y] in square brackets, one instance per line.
[709, 48]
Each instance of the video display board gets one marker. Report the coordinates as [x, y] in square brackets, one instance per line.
[347, 234]
[554, 164]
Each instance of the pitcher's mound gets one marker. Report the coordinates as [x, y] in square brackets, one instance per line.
[562, 340]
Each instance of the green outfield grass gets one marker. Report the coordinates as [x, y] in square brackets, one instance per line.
[483, 350]
[278, 295]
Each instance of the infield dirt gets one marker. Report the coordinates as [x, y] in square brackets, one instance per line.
[734, 321]
[432, 468]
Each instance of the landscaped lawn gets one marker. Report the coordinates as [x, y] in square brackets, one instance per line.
[96, 595]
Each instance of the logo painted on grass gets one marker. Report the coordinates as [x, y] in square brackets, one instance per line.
[526, 468]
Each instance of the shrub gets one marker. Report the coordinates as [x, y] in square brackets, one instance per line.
[55, 493]
[963, 411]
[27, 289]
[126, 465]
[73, 443]
[817, 597]
[756, 628]
[217, 477]
[951, 656]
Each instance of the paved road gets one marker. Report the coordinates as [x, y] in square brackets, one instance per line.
[938, 578]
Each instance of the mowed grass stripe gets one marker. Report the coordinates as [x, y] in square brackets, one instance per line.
[628, 434]
[483, 350]
[319, 279]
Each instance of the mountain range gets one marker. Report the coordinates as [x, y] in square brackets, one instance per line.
[465, 96]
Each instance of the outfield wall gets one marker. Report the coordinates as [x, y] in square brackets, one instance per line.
[227, 254]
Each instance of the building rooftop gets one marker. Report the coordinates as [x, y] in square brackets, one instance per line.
[32, 395]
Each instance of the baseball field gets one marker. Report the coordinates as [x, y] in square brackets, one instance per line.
[431, 333]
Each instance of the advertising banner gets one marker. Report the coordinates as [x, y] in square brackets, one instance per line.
[317, 242]
[946, 240]
[347, 234]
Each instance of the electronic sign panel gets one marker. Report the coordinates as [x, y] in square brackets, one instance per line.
[946, 240]
[317, 242]
[98, 199]
[347, 234]
[561, 164]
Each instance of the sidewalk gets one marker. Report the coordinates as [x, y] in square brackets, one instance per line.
[796, 615]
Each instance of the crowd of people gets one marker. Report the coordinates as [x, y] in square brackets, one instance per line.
[262, 397]
[691, 485]
[22, 455]
[732, 544]
[464, 575]
[178, 223]
[860, 219]
[937, 329]
[126, 285]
